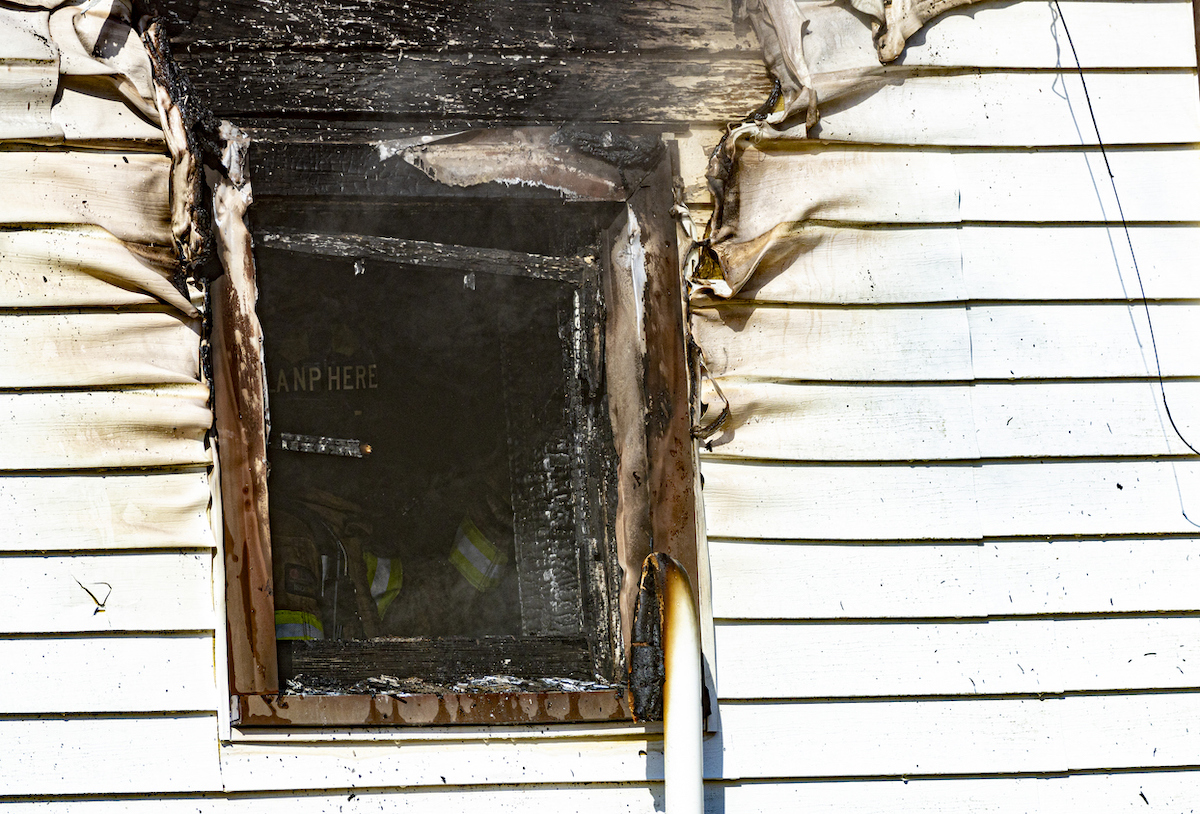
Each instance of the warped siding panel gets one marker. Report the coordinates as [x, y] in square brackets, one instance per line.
[126, 193]
[87, 118]
[815, 502]
[830, 344]
[251, 767]
[882, 185]
[934, 264]
[98, 349]
[846, 422]
[118, 511]
[28, 75]
[1094, 793]
[805, 422]
[1010, 578]
[995, 109]
[840, 183]
[992, 34]
[27, 36]
[959, 736]
[26, 93]
[956, 658]
[109, 674]
[848, 266]
[1078, 341]
[110, 755]
[81, 266]
[109, 429]
[150, 592]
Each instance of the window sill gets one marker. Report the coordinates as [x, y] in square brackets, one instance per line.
[478, 709]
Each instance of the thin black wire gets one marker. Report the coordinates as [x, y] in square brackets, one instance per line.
[1162, 389]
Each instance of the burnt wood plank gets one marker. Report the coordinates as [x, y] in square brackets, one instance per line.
[669, 444]
[671, 88]
[525, 26]
[438, 661]
[429, 255]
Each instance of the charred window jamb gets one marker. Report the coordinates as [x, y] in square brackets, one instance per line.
[428, 242]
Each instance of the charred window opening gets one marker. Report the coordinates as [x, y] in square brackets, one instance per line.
[441, 459]
[454, 417]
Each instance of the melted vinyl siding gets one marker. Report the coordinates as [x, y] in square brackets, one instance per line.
[949, 520]
[103, 470]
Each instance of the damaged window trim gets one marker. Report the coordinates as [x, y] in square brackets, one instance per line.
[656, 507]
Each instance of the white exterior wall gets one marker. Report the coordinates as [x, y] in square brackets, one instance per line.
[952, 569]
[917, 505]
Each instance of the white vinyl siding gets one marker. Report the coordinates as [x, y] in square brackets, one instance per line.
[950, 526]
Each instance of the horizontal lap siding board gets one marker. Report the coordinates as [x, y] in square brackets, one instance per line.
[68, 674]
[799, 581]
[1106, 34]
[927, 344]
[1129, 108]
[858, 265]
[28, 75]
[949, 342]
[959, 736]
[87, 119]
[845, 422]
[113, 510]
[110, 755]
[1062, 341]
[97, 349]
[158, 591]
[865, 422]
[901, 502]
[106, 429]
[82, 266]
[124, 192]
[1094, 793]
[580, 798]
[246, 767]
[957, 658]
[901, 186]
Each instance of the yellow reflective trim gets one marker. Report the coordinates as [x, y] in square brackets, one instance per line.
[297, 626]
[475, 557]
[386, 578]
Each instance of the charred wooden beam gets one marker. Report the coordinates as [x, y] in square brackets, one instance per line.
[526, 26]
[430, 255]
[443, 661]
[489, 86]
[670, 447]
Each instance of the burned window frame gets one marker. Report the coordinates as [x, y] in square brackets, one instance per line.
[651, 391]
